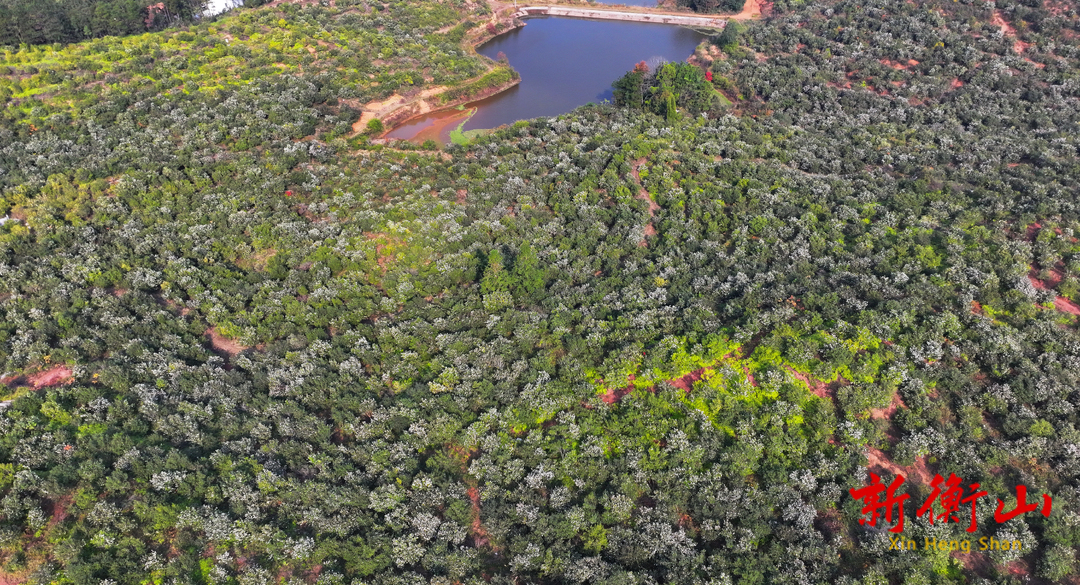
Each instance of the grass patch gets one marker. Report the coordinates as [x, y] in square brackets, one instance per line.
[494, 78]
[461, 136]
[12, 394]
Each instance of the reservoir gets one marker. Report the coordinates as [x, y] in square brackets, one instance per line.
[564, 63]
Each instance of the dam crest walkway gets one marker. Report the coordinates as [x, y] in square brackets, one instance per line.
[619, 15]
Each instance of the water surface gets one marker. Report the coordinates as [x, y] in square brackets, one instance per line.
[565, 63]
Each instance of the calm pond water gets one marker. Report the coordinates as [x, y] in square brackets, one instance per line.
[564, 63]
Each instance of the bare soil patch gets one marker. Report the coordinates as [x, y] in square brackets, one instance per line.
[223, 344]
[14, 578]
[257, 261]
[361, 124]
[889, 411]
[978, 563]
[60, 508]
[1055, 279]
[1019, 568]
[881, 464]
[653, 207]
[1066, 306]
[446, 119]
[1056, 7]
[390, 106]
[417, 107]
[56, 376]
[686, 383]
[999, 21]
[753, 9]
[614, 395]
[1032, 231]
[1010, 31]
[1061, 303]
[303, 210]
[898, 65]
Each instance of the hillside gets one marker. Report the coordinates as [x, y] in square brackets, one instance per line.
[243, 344]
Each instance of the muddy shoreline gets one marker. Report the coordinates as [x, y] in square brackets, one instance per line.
[415, 110]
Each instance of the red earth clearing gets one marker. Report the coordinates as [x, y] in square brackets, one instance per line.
[879, 463]
[55, 376]
[223, 344]
[890, 410]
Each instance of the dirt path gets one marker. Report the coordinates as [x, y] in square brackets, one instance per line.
[479, 533]
[650, 229]
[818, 387]
[1060, 303]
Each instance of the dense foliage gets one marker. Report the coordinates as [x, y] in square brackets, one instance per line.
[709, 6]
[669, 89]
[604, 347]
[65, 21]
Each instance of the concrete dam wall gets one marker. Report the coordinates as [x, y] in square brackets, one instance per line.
[599, 14]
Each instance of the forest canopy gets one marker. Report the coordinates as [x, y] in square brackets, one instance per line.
[241, 342]
[709, 6]
[38, 22]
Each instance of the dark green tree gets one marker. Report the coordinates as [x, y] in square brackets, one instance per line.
[707, 6]
[728, 39]
[629, 90]
[64, 21]
[672, 88]
[528, 277]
